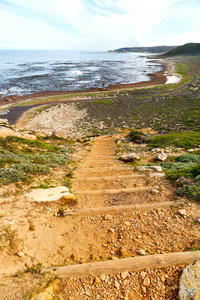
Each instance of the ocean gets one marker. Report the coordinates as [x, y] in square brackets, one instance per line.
[28, 72]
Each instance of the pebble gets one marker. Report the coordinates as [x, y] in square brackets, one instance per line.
[143, 274]
[124, 275]
[182, 212]
[141, 252]
[146, 282]
[154, 192]
[103, 277]
[97, 280]
[117, 285]
[20, 254]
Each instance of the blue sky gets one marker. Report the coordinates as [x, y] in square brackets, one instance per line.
[97, 24]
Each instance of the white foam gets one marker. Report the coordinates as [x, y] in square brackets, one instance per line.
[77, 72]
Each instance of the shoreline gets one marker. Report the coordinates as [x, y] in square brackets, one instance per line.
[157, 78]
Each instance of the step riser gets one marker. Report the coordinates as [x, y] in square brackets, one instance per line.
[114, 191]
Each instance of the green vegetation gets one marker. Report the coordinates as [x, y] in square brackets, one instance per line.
[191, 191]
[136, 136]
[190, 49]
[185, 140]
[21, 158]
[156, 49]
[185, 166]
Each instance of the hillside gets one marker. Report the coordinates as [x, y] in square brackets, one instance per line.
[156, 49]
[190, 49]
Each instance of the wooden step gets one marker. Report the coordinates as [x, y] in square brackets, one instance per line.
[116, 191]
[110, 177]
[122, 208]
[132, 264]
[93, 169]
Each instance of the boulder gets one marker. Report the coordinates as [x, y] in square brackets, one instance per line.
[161, 156]
[59, 193]
[129, 157]
[5, 131]
[189, 284]
[149, 168]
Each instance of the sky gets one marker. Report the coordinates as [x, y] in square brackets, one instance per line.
[97, 24]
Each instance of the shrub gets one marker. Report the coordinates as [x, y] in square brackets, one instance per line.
[53, 160]
[191, 191]
[185, 140]
[10, 175]
[185, 158]
[136, 136]
[30, 168]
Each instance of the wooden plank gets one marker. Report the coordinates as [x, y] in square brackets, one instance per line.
[122, 168]
[132, 264]
[122, 208]
[116, 191]
[110, 177]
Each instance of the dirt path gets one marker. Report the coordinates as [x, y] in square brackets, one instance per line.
[122, 235]
[101, 180]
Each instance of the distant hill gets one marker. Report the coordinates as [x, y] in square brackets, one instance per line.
[156, 49]
[190, 49]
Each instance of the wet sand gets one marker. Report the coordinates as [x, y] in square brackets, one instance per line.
[155, 79]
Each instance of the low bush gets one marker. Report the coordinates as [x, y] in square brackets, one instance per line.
[186, 158]
[136, 136]
[185, 140]
[52, 159]
[11, 175]
[191, 191]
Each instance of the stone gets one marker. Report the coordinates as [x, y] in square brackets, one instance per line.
[124, 275]
[20, 254]
[97, 280]
[117, 285]
[122, 252]
[57, 134]
[103, 277]
[141, 252]
[143, 274]
[154, 192]
[146, 282]
[129, 157]
[149, 168]
[48, 195]
[161, 156]
[48, 294]
[4, 121]
[67, 199]
[182, 212]
[158, 175]
[144, 290]
[189, 284]
[5, 131]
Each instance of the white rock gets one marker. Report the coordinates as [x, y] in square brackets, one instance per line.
[146, 282]
[149, 168]
[129, 157]
[20, 254]
[189, 285]
[124, 275]
[182, 212]
[158, 175]
[154, 192]
[47, 195]
[141, 252]
[161, 156]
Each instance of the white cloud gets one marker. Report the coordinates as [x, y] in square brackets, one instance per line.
[95, 24]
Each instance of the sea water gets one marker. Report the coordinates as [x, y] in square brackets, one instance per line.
[27, 72]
